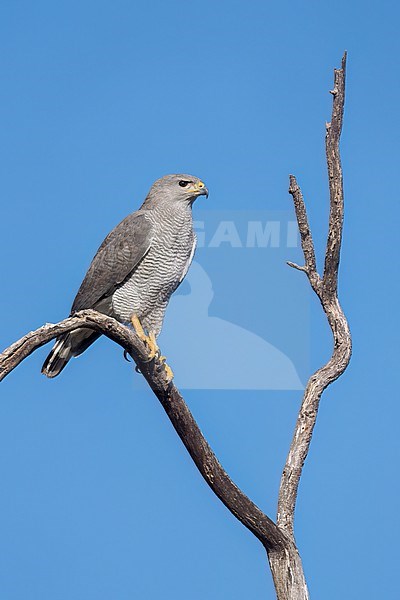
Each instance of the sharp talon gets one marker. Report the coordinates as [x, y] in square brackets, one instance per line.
[126, 356]
[138, 370]
[148, 360]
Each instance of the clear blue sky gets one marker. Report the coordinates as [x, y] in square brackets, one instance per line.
[98, 498]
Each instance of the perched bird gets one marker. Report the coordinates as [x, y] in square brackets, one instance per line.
[137, 268]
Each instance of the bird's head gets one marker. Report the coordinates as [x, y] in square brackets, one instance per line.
[176, 188]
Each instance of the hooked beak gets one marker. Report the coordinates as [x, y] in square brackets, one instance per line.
[200, 188]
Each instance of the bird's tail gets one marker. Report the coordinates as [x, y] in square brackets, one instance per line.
[67, 346]
[58, 357]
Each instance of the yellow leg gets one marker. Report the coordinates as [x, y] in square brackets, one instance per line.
[149, 340]
[154, 349]
[151, 343]
[137, 326]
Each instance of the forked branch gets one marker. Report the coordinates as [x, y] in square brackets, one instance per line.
[326, 290]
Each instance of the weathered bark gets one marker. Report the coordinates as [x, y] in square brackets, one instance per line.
[287, 573]
[174, 405]
[277, 538]
[326, 290]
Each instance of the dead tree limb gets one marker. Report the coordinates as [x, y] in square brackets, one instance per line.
[270, 535]
[173, 403]
[326, 290]
[277, 538]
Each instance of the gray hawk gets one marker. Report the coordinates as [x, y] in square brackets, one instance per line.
[137, 268]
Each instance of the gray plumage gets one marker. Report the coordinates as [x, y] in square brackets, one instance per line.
[138, 266]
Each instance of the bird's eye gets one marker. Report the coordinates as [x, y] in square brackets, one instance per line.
[183, 183]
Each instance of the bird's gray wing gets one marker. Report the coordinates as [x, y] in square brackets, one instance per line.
[116, 258]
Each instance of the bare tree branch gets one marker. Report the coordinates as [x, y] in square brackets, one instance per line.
[282, 551]
[333, 131]
[278, 539]
[326, 290]
[310, 268]
[175, 407]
